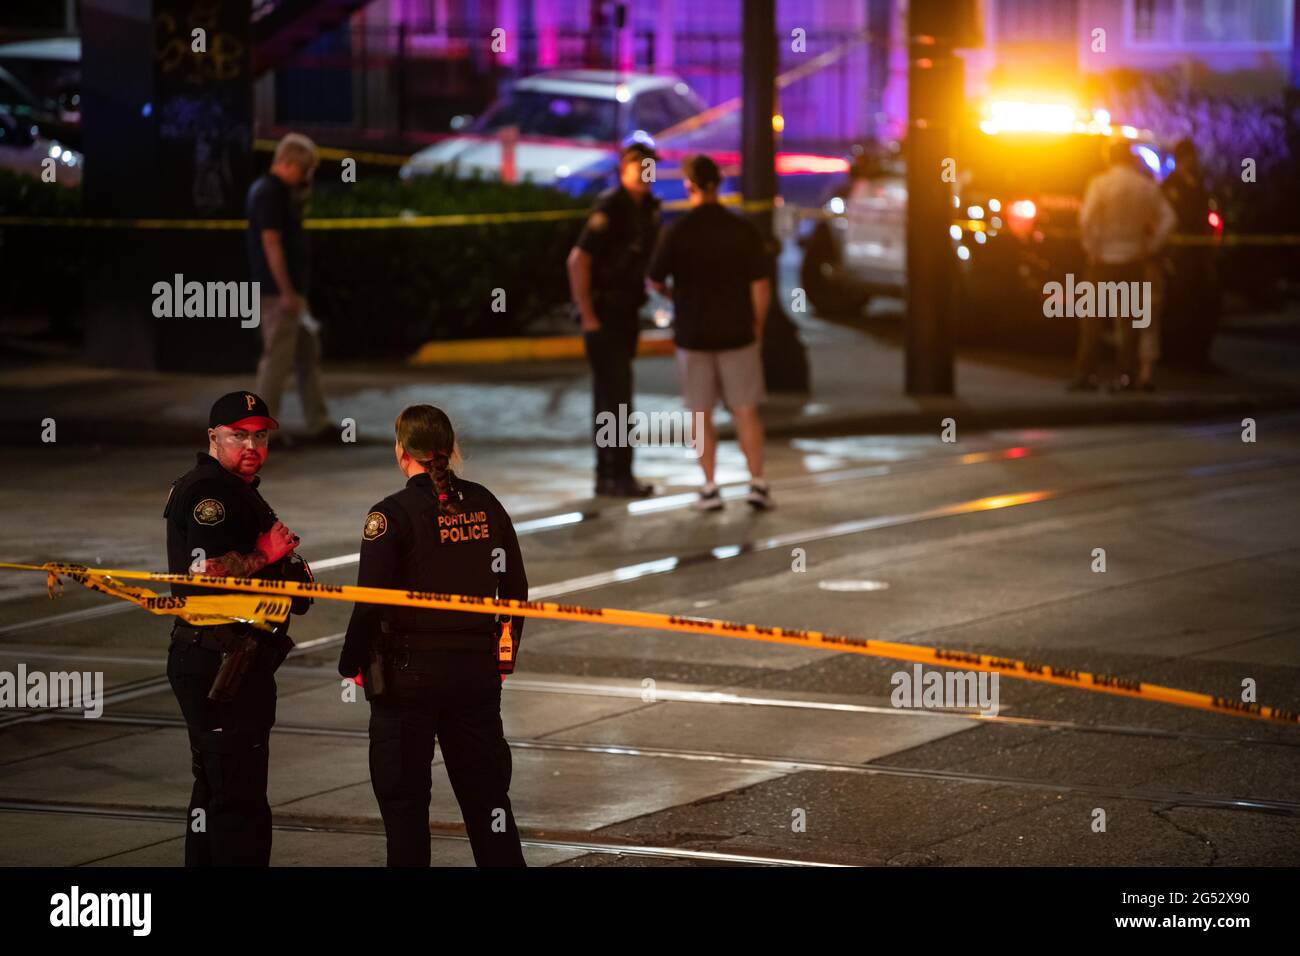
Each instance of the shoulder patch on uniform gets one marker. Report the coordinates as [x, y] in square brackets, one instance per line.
[209, 511]
[376, 525]
[598, 221]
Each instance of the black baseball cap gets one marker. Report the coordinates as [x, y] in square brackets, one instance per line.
[701, 171]
[241, 409]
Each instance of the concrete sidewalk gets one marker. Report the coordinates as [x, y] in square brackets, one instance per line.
[857, 386]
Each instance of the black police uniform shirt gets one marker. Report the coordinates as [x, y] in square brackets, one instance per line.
[619, 235]
[1190, 202]
[407, 544]
[214, 510]
[712, 255]
[271, 205]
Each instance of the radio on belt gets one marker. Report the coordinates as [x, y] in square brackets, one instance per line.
[506, 650]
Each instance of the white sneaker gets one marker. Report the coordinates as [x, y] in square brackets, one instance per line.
[710, 499]
[760, 496]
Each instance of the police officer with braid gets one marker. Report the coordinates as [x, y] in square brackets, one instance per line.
[219, 524]
[434, 675]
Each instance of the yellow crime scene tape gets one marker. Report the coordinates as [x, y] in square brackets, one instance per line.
[200, 610]
[338, 155]
[229, 608]
[360, 222]
[351, 222]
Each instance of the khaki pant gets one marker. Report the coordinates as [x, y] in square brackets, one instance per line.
[289, 347]
[1148, 349]
[1091, 327]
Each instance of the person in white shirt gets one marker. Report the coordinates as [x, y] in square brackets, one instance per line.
[1124, 221]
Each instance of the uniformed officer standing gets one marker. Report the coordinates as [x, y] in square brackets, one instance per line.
[607, 282]
[436, 674]
[223, 676]
[1194, 301]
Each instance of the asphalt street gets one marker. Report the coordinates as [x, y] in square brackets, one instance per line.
[636, 747]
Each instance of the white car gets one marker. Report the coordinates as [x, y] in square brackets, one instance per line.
[47, 72]
[566, 120]
[23, 150]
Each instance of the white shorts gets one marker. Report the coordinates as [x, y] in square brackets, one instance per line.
[734, 375]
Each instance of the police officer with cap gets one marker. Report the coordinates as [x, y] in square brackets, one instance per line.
[607, 283]
[434, 675]
[218, 524]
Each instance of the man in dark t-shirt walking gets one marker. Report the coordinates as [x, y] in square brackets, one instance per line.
[277, 258]
[721, 292]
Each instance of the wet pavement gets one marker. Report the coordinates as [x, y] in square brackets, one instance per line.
[856, 372]
[636, 747]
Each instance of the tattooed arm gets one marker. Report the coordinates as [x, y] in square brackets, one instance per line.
[272, 545]
[235, 565]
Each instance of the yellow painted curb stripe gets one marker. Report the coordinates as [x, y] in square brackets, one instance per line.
[616, 617]
[548, 348]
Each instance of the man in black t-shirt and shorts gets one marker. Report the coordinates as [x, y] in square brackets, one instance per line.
[721, 291]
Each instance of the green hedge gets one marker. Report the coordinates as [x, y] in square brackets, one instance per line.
[28, 196]
[43, 266]
[378, 292]
[384, 291]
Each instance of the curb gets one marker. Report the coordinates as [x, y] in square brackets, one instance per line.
[991, 419]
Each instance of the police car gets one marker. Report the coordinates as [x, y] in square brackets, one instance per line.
[566, 120]
[1018, 185]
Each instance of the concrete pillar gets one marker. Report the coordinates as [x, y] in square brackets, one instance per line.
[169, 133]
[934, 101]
[785, 361]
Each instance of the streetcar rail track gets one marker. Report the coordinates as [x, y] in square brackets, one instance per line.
[706, 696]
[586, 843]
[677, 562]
[784, 764]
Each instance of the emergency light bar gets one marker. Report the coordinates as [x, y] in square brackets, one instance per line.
[1039, 116]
